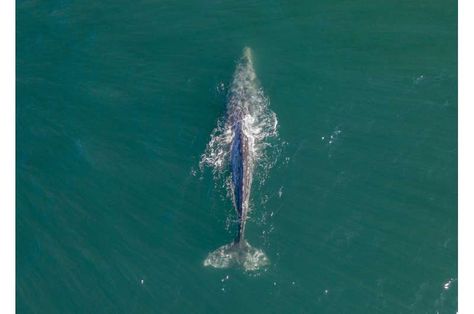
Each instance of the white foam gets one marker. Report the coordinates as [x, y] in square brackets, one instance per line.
[245, 256]
[260, 125]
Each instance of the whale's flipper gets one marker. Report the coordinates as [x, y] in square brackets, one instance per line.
[237, 253]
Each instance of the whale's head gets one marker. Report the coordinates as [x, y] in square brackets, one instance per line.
[246, 69]
[247, 55]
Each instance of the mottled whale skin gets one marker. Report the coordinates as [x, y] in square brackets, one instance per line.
[241, 170]
[241, 161]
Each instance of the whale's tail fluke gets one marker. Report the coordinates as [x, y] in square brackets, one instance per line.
[238, 253]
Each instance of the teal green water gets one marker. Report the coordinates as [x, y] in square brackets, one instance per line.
[116, 101]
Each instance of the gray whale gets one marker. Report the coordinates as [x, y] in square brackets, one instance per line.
[243, 98]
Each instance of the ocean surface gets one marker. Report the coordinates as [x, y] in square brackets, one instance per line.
[117, 102]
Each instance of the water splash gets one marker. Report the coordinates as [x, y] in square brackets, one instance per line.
[260, 125]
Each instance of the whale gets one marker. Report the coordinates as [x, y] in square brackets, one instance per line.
[242, 101]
